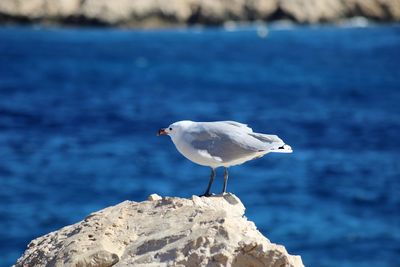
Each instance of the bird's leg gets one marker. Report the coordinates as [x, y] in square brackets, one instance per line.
[212, 176]
[225, 180]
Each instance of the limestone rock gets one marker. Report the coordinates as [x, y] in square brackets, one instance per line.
[61, 8]
[156, 13]
[154, 197]
[108, 12]
[260, 9]
[313, 11]
[384, 10]
[161, 232]
[39, 9]
[20, 8]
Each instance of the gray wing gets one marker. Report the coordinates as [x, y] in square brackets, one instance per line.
[273, 142]
[224, 140]
[268, 138]
[242, 126]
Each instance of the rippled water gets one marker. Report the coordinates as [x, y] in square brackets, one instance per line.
[79, 110]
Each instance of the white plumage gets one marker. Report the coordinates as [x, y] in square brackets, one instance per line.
[221, 144]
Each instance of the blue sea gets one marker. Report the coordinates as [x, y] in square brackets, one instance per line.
[80, 108]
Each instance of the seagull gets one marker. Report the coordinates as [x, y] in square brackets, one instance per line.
[221, 144]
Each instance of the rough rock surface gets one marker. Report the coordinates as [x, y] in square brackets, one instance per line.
[159, 13]
[161, 232]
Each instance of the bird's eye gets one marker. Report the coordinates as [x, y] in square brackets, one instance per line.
[170, 128]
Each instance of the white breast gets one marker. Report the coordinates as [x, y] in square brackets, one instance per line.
[201, 157]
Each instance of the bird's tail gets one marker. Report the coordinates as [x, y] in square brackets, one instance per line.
[283, 149]
[276, 144]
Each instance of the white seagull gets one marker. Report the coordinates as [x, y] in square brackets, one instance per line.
[221, 144]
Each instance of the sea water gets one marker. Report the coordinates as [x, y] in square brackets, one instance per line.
[80, 108]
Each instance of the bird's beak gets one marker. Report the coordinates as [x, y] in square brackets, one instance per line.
[162, 132]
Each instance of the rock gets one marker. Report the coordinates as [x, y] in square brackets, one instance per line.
[61, 8]
[39, 9]
[313, 11]
[260, 9]
[383, 10]
[161, 232]
[154, 197]
[19, 8]
[137, 13]
[159, 13]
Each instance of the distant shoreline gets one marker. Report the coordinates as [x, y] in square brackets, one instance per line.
[184, 13]
[229, 26]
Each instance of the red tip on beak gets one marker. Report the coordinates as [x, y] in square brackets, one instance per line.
[162, 132]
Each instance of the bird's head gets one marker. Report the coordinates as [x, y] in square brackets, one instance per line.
[175, 129]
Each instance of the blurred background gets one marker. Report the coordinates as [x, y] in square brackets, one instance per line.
[83, 93]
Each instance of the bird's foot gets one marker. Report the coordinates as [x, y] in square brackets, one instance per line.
[206, 195]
